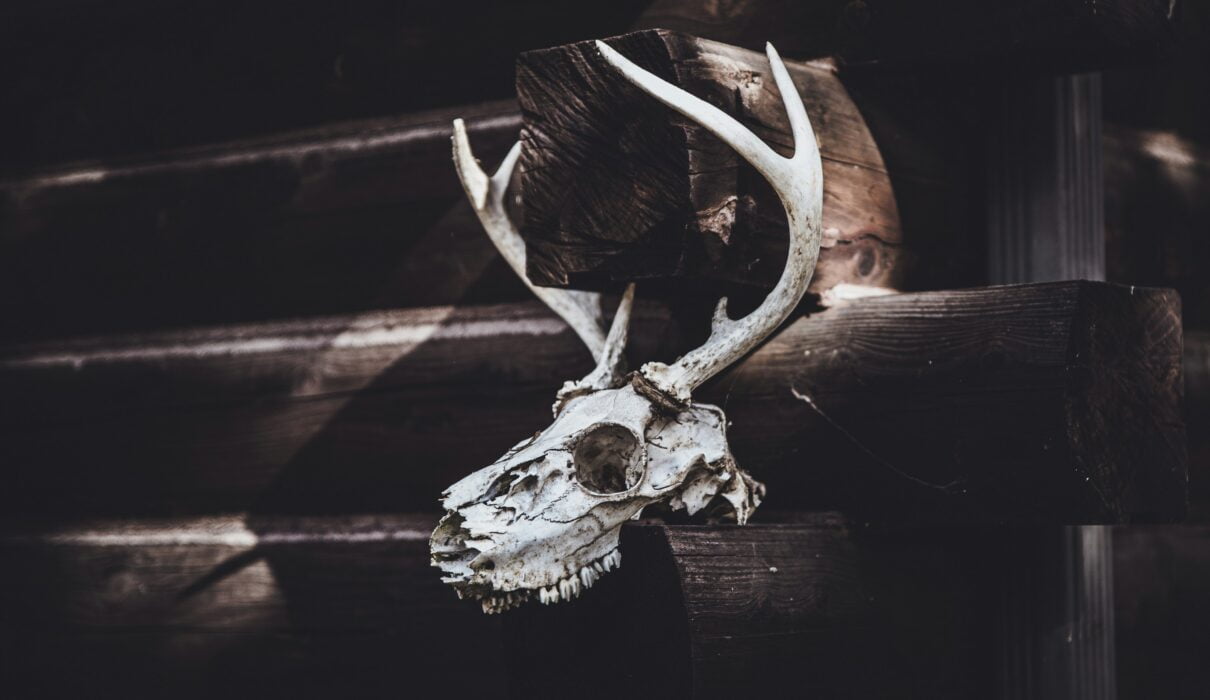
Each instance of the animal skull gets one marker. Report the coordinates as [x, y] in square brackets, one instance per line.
[543, 520]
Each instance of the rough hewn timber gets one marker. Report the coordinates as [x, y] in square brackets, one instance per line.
[349, 218]
[819, 608]
[83, 80]
[234, 607]
[1050, 403]
[1051, 35]
[618, 187]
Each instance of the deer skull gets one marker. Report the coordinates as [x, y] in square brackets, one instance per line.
[543, 520]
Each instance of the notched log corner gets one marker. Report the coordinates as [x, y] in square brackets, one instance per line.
[618, 187]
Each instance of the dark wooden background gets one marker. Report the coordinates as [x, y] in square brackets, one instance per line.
[179, 180]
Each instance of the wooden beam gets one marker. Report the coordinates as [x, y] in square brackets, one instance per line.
[234, 605]
[618, 187]
[358, 216]
[253, 70]
[1045, 222]
[1051, 36]
[817, 608]
[1036, 403]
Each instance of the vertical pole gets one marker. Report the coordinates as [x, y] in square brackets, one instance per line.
[1045, 223]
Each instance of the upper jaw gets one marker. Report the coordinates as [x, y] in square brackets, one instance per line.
[498, 588]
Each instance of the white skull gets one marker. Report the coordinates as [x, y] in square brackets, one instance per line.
[545, 517]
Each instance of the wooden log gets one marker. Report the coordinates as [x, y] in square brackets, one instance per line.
[810, 609]
[1051, 36]
[1161, 575]
[238, 606]
[1045, 222]
[618, 187]
[1034, 403]
[349, 218]
[83, 81]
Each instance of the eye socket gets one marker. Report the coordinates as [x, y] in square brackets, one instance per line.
[608, 459]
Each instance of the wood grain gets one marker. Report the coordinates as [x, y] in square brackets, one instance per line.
[1050, 403]
[84, 81]
[820, 607]
[348, 218]
[618, 187]
[234, 605]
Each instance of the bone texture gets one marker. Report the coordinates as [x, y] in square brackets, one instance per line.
[798, 181]
[543, 521]
[581, 310]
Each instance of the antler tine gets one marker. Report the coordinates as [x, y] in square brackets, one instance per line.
[798, 181]
[581, 310]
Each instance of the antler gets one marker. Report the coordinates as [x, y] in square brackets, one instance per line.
[581, 310]
[798, 181]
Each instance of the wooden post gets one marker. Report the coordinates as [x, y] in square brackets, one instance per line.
[1045, 222]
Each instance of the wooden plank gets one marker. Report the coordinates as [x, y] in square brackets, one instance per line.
[1045, 222]
[241, 605]
[1050, 403]
[818, 608]
[1014, 34]
[84, 80]
[618, 187]
[1161, 575]
[354, 217]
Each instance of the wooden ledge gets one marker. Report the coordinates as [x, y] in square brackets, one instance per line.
[1049, 403]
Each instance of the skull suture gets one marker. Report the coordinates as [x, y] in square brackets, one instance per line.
[544, 520]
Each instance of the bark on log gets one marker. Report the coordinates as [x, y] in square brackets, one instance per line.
[618, 187]
[1035, 403]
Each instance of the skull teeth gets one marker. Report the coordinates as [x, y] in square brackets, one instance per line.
[499, 602]
[568, 588]
[571, 587]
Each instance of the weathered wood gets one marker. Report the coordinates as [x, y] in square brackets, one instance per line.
[815, 609]
[1051, 403]
[83, 80]
[1045, 222]
[618, 187]
[350, 218]
[237, 606]
[1161, 575]
[1016, 34]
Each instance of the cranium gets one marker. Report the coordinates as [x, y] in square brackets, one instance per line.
[543, 520]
